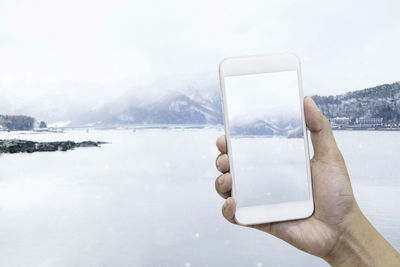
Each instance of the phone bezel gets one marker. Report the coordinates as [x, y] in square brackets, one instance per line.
[255, 65]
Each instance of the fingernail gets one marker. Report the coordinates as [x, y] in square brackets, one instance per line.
[220, 180]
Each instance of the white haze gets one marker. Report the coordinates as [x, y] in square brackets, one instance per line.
[89, 52]
[146, 199]
[266, 96]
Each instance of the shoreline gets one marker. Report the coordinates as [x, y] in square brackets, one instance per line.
[365, 129]
[181, 127]
[12, 146]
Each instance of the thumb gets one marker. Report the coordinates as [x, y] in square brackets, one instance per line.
[323, 141]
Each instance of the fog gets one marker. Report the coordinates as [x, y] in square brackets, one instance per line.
[267, 96]
[148, 199]
[91, 51]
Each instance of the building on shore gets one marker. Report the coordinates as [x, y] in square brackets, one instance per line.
[340, 121]
[370, 122]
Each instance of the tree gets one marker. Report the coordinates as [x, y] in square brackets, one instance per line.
[42, 124]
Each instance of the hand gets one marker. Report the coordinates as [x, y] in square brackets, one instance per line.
[337, 216]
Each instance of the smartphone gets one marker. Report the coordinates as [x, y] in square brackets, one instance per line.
[266, 138]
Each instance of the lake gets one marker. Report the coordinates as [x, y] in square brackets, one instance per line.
[148, 199]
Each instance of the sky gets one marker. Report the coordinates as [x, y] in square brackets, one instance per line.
[94, 50]
[265, 96]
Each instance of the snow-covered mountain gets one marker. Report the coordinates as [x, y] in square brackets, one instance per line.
[186, 99]
[177, 100]
[175, 108]
[284, 127]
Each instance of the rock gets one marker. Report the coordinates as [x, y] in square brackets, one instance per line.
[21, 146]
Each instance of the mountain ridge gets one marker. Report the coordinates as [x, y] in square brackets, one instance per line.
[382, 101]
[197, 100]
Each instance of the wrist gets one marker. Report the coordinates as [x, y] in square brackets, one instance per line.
[349, 244]
[360, 244]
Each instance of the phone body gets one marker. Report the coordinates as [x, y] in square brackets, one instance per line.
[267, 139]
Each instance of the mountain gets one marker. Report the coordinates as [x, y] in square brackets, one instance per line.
[176, 108]
[381, 101]
[194, 99]
[280, 127]
[180, 101]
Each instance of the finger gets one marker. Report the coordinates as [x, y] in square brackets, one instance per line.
[222, 163]
[228, 210]
[221, 144]
[323, 141]
[223, 185]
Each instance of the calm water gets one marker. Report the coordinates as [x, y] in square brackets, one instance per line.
[264, 178]
[148, 199]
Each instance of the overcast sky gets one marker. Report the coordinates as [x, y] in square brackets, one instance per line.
[267, 96]
[103, 48]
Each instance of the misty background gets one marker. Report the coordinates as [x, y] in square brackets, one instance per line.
[266, 104]
[147, 197]
[93, 62]
[262, 96]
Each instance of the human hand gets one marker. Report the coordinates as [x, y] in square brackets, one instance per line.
[337, 217]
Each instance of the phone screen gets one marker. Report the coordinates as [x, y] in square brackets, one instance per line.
[268, 159]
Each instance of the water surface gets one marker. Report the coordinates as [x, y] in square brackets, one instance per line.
[148, 199]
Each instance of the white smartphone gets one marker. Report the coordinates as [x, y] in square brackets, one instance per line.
[266, 138]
